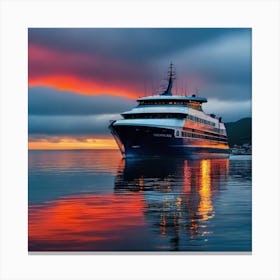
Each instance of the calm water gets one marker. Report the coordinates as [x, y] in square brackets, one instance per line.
[95, 201]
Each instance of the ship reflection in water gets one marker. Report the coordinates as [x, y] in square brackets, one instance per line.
[141, 205]
[178, 196]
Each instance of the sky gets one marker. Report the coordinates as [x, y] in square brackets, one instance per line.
[81, 78]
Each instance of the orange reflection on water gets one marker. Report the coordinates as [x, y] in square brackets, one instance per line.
[141, 183]
[187, 177]
[205, 207]
[84, 218]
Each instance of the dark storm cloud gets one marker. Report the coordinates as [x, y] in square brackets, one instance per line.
[53, 112]
[226, 60]
[217, 57]
[70, 125]
[223, 66]
[48, 101]
[229, 110]
[132, 44]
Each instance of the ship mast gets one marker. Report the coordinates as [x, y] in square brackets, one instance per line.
[171, 78]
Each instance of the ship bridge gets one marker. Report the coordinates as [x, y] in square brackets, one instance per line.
[190, 101]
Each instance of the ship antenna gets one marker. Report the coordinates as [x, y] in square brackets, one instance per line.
[171, 78]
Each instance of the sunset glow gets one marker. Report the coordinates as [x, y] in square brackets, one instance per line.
[76, 72]
[72, 144]
[82, 86]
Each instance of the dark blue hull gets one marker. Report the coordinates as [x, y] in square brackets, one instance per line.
[141, 141]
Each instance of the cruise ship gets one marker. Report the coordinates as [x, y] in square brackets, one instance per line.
[170, 125]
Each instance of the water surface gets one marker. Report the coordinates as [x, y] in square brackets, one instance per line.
[92, 200]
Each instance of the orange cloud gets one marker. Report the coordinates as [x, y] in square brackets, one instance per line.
[79, 85]
[82, 73]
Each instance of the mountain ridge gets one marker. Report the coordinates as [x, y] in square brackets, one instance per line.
[239, 132]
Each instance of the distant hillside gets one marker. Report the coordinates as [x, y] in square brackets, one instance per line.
[239, 132]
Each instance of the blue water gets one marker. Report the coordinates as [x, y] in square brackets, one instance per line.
[95, 201]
